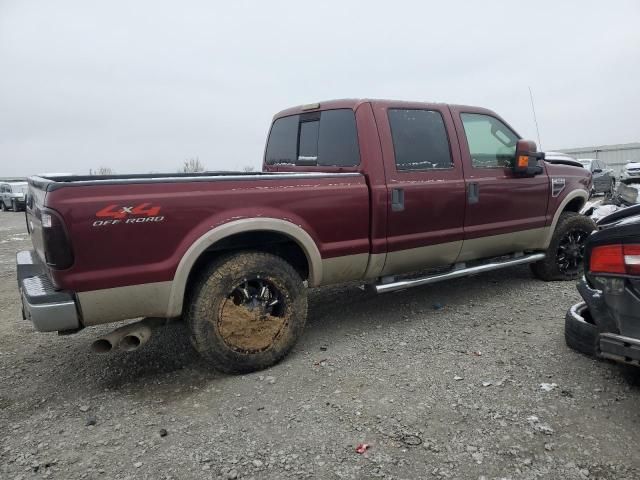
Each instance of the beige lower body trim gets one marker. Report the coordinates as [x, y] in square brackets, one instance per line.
[415, 259]
[344, 269]
[295, 232]
[375, 265]
[534, 239]
[122, 303]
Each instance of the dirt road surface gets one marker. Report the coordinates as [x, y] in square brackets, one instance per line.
[442, 381]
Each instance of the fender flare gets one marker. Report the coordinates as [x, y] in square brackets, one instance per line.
[570, 196]
[296, 233]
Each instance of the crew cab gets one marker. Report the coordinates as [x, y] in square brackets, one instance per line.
[393, 194]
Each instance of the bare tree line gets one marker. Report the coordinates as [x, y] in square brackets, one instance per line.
[189, 165]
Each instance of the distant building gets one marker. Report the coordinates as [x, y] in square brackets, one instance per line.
[614, 156]
[13, 179]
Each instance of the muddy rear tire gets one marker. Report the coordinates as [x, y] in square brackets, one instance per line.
[246, 311]
[565, 255]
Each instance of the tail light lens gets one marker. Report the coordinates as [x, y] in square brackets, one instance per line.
[57, 248]
[624, 259]
[632, 259]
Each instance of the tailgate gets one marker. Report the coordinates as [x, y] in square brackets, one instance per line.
[33, 208]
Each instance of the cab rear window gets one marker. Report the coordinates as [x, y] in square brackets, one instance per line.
[327, 138]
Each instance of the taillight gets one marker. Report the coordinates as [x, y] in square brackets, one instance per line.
[623, 259]
[632, 259]
[57, 248]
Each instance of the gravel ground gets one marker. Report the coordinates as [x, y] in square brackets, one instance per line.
[441, 381]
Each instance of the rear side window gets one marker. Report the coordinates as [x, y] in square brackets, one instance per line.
[283, 141]
[420, 140]
[327, 138]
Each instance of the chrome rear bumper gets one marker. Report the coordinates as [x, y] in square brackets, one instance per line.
[48, 309]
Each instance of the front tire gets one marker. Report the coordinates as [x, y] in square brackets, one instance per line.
[14, 206]
[4, 207]
[565, 255]
[247, 311]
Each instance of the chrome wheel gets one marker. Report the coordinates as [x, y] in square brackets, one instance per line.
[252, 316]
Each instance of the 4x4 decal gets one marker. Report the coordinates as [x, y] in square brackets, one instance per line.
[111, 211]
[114, 214]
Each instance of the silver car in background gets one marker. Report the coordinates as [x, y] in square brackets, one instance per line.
[630, 172]
[13, 195]
[604, 180]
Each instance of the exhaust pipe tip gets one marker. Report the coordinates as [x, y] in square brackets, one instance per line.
[130, 343]
[129, 337]
[102, 345]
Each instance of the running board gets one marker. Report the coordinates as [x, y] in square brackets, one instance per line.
[456, 273]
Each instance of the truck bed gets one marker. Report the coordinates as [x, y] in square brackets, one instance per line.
[135, 231]
[50, 183]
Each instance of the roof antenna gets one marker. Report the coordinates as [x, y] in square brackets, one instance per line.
[535, 119]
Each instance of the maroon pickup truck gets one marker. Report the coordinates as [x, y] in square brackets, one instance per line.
[394, 194]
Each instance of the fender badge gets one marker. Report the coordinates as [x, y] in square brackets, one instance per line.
[557, 185]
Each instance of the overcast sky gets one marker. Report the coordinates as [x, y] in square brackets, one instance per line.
[140, 86]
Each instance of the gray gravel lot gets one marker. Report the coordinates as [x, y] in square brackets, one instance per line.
[441, 381]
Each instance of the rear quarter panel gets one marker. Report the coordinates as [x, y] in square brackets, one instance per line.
[334, 211]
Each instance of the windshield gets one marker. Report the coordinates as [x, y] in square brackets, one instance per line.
[19, 187]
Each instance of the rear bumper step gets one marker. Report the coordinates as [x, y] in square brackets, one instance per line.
[48, 309]
[458, 272]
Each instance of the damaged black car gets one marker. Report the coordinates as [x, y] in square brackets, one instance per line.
[607, 323]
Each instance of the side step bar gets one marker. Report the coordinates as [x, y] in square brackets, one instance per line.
[457, 272]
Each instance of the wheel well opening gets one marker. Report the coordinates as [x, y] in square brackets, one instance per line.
[264, 241]
[574, 205]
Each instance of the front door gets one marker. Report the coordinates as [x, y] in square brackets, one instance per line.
[425, 186]
[504, 213]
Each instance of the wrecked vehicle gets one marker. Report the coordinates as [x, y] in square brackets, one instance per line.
[350, 190]
[606, 323]
[624, 196]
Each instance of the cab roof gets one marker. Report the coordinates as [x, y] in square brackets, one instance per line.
[354, 103]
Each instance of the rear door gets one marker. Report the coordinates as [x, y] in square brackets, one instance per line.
[425, 186]
[504, 213]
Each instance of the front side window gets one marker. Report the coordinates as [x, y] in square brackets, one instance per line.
[420, 140]
[327, 138]
[491, 143]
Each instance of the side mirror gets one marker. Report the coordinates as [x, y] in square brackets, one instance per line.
[526, 161]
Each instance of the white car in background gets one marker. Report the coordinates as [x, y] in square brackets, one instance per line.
[630, 172]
